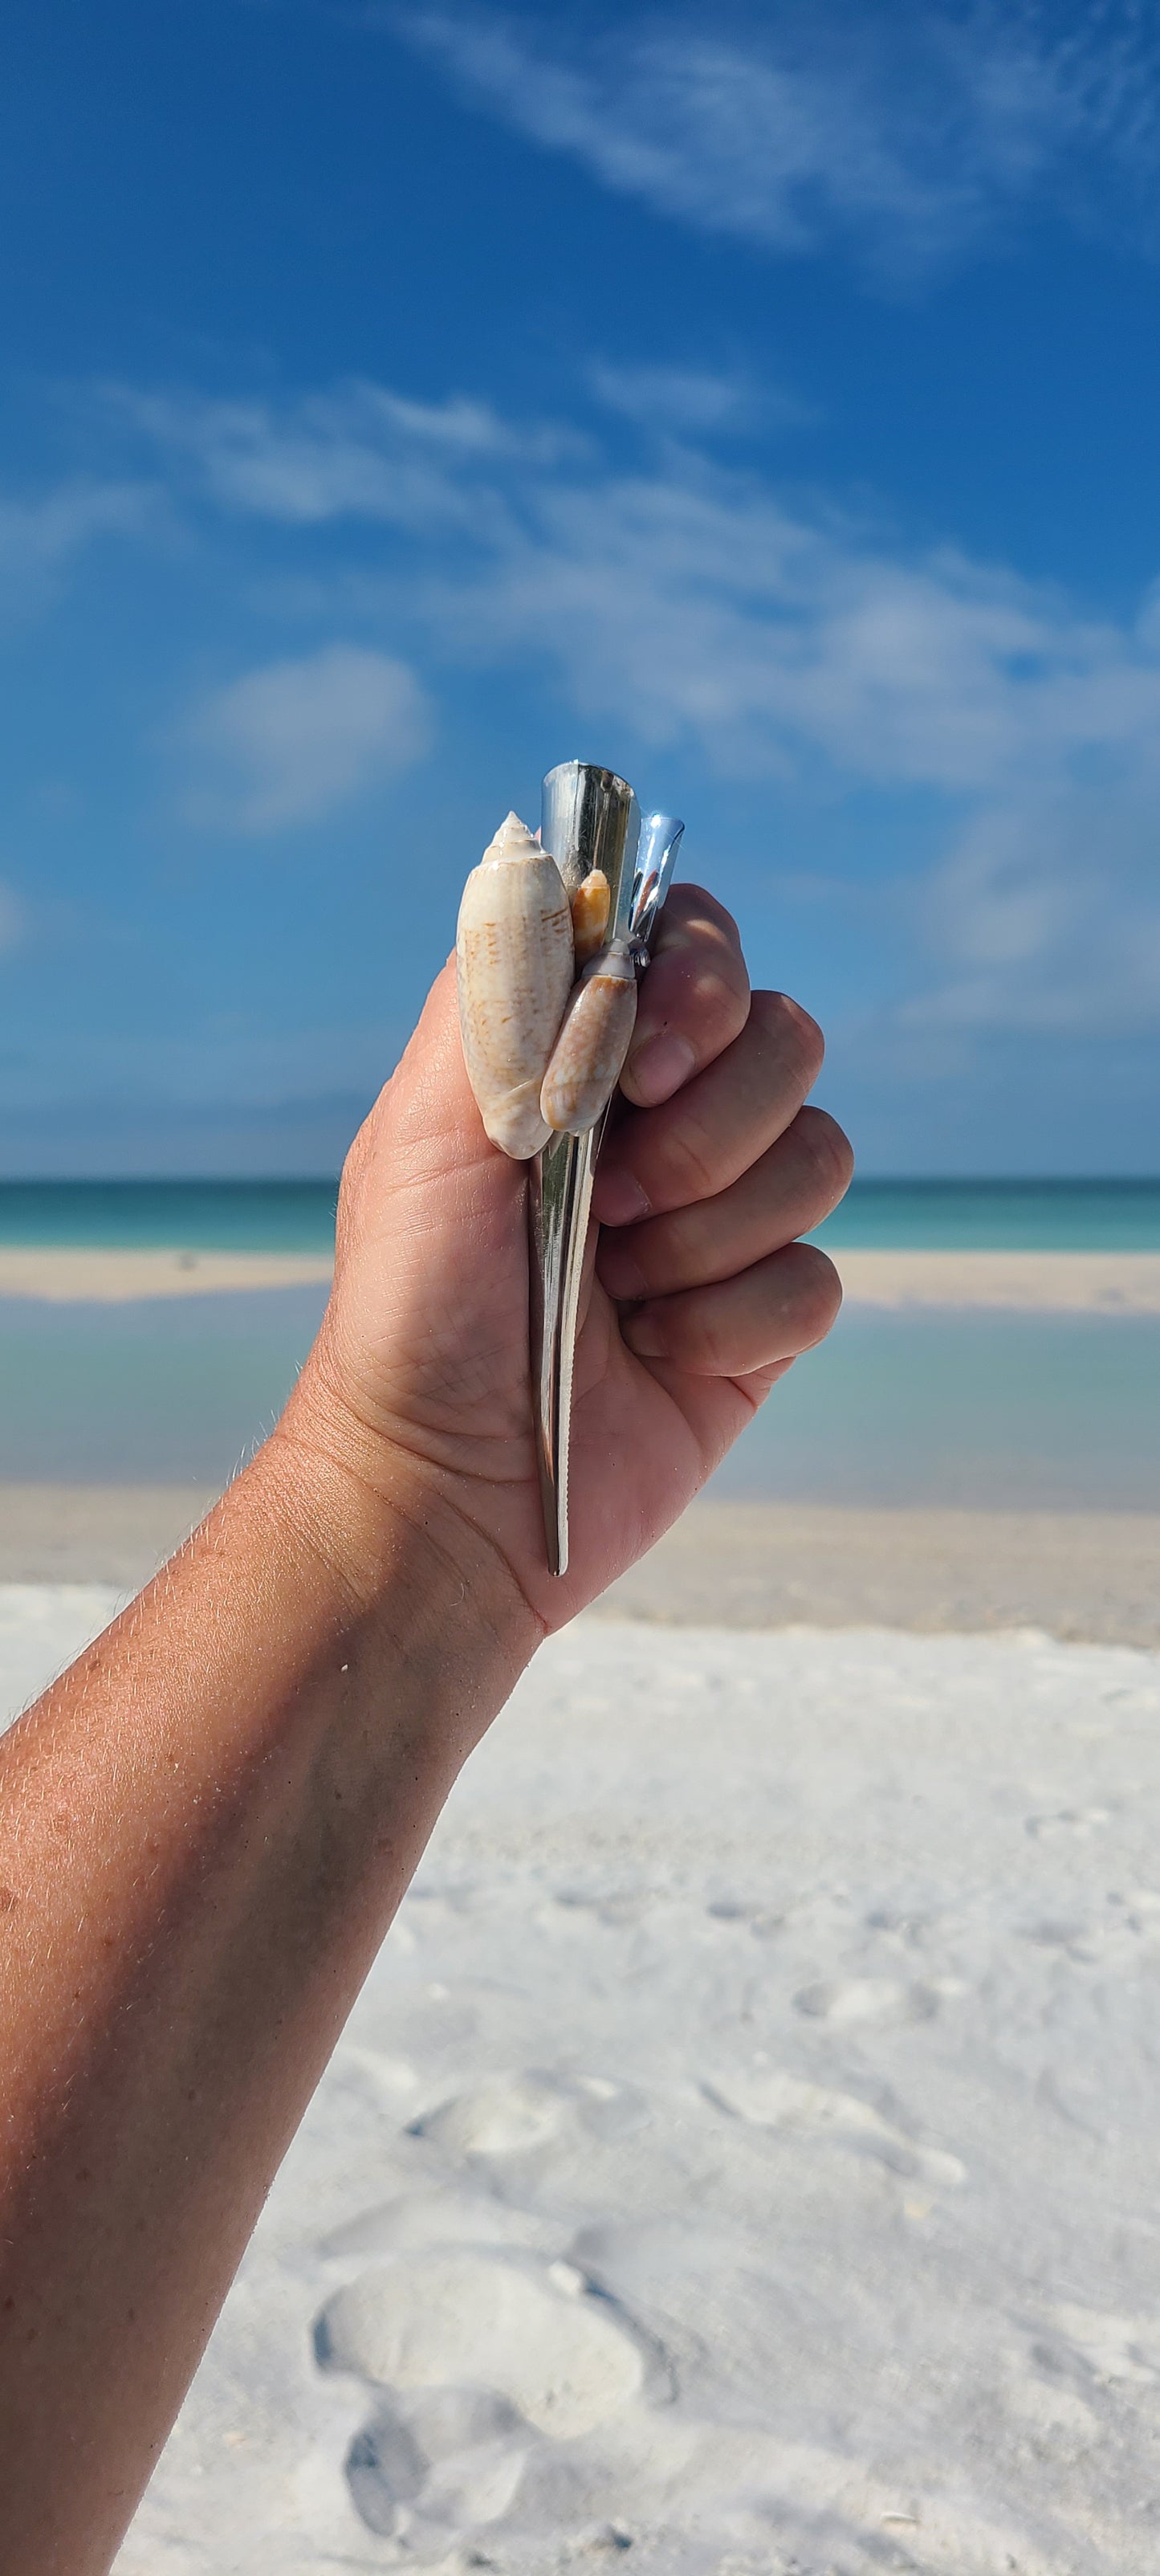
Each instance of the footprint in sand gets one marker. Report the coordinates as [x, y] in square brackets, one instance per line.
[527, 2332]
[1077, 1821]
[516, 2114]
[1113, 2347]
[415, 2220]
[503, 2119]
[846, 2000]
[770, 2098]
[446, 2463]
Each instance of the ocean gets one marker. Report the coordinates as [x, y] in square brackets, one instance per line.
[1022, 1411]
[298, 1216]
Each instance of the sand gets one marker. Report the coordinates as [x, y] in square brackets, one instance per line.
[1112, 1283]
[1082, 1575]
[1063, 1283]
[68, 1276]
[1088, 1575]
[742, 2157]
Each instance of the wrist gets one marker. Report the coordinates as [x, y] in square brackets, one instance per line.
[399, 1553]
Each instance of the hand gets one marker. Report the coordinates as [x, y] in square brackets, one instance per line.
[698, 1300]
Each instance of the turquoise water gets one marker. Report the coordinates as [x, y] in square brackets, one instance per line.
[971, 1408]
[1017, 1412]
[1026, 1411]
[298, 1216]
[167, 1391]
[998, 1216]
[198, 1216]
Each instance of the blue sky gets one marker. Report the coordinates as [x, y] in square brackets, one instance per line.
[399, 400]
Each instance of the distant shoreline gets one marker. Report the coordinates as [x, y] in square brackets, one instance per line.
[1072, 1283]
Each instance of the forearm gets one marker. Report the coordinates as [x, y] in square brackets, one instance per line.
[205, 1828]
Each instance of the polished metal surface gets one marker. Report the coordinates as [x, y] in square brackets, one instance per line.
[590, 819]
[656, 858]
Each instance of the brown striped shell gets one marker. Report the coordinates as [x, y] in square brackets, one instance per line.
[589, 1053]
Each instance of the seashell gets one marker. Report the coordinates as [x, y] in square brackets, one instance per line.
[514, 968]
[593, 1042]
[591, 905]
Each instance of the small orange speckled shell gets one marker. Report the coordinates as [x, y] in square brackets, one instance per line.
[593, 1042]
[591, 905]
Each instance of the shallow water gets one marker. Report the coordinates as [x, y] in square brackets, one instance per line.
[1022, 1411]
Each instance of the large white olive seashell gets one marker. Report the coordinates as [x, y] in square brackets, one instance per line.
[592, 1044]
[514, 967]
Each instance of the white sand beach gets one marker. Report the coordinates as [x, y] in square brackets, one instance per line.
[1113, 1283]
[1065, 1283]
[742, 2158]
[67, 1275]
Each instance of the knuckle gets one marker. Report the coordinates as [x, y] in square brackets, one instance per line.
[792, 1030]
[702, 1337]
[688, 1164]
[720, 1002]
[827, 1150]
[694, 908]
[817, 1291]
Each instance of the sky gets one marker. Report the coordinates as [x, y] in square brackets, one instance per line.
[398, 400]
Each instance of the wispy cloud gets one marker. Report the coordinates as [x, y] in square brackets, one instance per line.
[691, 603]
[358, 451]
[907, 131]
[690, 400]
[1046, 918]
[294, 741]
[41, 534]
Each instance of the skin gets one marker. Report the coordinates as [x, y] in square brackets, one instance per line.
[206, 1825]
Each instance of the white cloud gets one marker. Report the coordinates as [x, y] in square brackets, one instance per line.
[358, 451]
[907, 130]
[693, 601]
[694, 606]
[687, 399]
[293, 741]
[39, 536]
[1046, 917]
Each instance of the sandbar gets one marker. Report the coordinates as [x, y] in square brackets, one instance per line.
[1062, 1283]
[1072, 1283]
[68, 1275]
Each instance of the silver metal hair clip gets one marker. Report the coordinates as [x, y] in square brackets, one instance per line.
[544, 1048]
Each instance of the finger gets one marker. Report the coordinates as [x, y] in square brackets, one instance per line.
[693, 1001]
[717, 1409]
[755, 1385]
[781, 1306]
[698, 1143]
[788, 1190]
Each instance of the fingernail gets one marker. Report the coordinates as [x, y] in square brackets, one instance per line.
[643, 1334]
[659, 1066]
[619, 1199]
